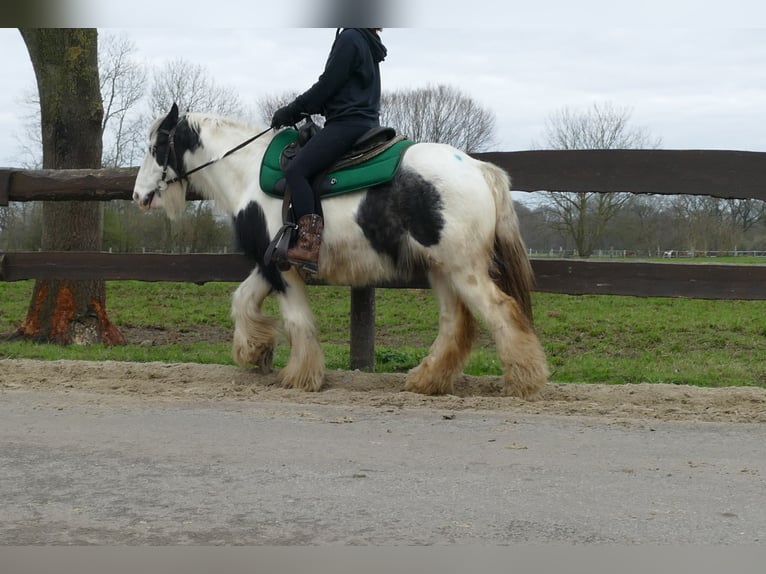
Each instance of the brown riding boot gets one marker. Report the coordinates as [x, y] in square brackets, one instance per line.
[305, 253]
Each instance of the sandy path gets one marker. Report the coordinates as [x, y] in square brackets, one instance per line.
[168, 382]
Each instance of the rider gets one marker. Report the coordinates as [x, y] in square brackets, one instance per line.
[347, 94]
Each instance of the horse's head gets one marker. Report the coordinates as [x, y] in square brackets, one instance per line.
[160, 180]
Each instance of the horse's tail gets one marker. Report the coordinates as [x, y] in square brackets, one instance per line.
[511, 270]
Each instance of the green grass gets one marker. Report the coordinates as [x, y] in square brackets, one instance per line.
[158, 304]
[590, 338]
[631, 340]
[728, 259]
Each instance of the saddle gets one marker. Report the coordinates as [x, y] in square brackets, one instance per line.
[373, 142]
[373, 159]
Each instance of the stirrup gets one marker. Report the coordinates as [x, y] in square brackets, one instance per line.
[276, 252]
[309, 266]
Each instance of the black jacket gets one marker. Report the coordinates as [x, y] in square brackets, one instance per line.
[349, 87]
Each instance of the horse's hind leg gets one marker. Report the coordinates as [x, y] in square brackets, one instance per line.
[305, 368]
[517, 344]
[254, 332]
[450, 350]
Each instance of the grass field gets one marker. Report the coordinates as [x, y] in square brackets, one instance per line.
[599, 338]
[723, 260]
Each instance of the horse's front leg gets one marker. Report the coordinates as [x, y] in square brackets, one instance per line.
[254, 332]
[305, 368]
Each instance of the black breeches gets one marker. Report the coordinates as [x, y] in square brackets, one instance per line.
[321, 151]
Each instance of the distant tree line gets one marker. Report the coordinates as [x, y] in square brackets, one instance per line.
[648, 225]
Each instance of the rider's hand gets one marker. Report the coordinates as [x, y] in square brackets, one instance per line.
[286, 116]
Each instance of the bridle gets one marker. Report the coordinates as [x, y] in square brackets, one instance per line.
[163, 184]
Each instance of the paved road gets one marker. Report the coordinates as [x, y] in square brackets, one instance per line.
[86, 469]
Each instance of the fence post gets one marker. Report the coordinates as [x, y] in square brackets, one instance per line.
[363, 328]
[5, 186]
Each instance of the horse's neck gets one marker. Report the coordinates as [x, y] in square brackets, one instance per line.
[228, 180]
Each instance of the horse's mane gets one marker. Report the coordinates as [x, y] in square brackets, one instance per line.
[199, 121]
[213, 122]
[219, 134]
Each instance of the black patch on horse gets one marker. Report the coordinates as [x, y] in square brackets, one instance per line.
[252, 234]
[408, 204]
[185, 138]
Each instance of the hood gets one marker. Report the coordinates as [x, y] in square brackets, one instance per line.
[376, 46]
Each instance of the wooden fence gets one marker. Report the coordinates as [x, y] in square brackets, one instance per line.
[725, 174]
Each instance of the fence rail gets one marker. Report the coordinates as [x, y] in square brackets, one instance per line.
[566, 276]
[637, 254]
[725, 174]
[719, 173]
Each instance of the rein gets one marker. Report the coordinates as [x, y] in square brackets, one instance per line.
[163, 183]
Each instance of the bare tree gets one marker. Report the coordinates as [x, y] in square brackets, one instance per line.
[123, 85]
[270, 103]
[21, 226]
[704, 223]
[191, 87]
[584, 216]
[747, 213]
[30, 142]
[639, 227]
[439, 114]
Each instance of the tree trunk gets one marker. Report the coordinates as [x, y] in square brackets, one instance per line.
[65, 62]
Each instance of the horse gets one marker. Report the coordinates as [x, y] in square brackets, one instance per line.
[443, 213]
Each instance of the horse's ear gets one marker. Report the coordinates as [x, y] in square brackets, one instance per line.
[173, 114]
[170, 120]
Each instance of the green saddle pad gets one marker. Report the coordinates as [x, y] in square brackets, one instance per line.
[376, 170]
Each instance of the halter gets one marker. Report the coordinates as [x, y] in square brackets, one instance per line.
[163, 184]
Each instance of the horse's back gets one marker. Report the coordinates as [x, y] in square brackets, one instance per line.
[460, 182]
[450, 168]
[425, 153]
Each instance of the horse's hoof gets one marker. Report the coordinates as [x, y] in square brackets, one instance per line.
[526, 389]
[248, 355]
[417, 383]
[431, 389]
[266, 362]
[310, 384]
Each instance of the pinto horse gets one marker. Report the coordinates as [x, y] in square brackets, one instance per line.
[443, 212]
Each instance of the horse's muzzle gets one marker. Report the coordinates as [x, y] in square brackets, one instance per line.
[144, 203]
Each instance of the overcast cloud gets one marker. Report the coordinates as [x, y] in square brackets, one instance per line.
[700, 86]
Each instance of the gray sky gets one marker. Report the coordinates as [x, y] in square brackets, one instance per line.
[697, 82]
